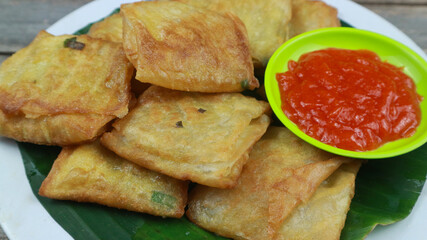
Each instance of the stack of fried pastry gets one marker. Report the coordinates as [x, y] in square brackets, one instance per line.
[186, 61]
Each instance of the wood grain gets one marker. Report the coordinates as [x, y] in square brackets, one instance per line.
[21, 20]
[409, 19]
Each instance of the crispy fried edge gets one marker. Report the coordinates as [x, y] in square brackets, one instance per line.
[60, 161]
[146, 37]
[10, 106]
[62, 129]
[95, 29]
[111, 139]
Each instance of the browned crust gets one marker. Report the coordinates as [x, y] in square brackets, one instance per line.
[47, 189]
[62, 129]
[158, 109]
[120, 73]
[242, 34]
[309, 15]
[353, 167]
[109, 140]
[150, 56]
[307, 174]
[112, 141]
[108, 29]
[56, 167]
[277, 194]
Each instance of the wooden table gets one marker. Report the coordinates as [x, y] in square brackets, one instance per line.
[21, 20]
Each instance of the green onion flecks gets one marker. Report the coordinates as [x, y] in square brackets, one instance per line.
[163, 199]
[73, 44]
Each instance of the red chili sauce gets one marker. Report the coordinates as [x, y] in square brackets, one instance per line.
[349, 99]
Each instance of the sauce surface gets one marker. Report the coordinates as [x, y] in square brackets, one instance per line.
[349, 99]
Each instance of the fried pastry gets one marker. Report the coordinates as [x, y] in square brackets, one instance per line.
[309, 15]
[323, 216]
[92, 173]
[59, 129]
[200, 137]
[282, 172]
[181, 47]
[266, 22]
[111, 29]
[62, 90]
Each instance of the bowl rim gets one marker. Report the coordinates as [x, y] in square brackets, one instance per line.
[271, 82]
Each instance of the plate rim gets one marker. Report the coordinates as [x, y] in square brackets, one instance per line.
[40, 225]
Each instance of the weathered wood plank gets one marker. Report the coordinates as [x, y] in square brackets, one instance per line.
[21, 20]
[409, 19]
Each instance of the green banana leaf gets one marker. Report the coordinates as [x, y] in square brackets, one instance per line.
[386, 191]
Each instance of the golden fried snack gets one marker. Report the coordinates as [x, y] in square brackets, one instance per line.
[204, 138]
[62, 90]
[309, 15]
[323, 216]
[266, 22]
[282, 172]
[181, 47]
[111, 29]
[92, 173]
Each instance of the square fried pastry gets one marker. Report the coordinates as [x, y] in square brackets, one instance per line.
[266, 22]
[282, 172]
[309, 15]
[111, 29]
[92, 173]
[200, 137]
[180, 47]
[323, 216]
[63, 90]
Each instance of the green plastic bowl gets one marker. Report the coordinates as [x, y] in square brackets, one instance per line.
[349, 38]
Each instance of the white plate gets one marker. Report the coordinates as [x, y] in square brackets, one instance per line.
[23, 217]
